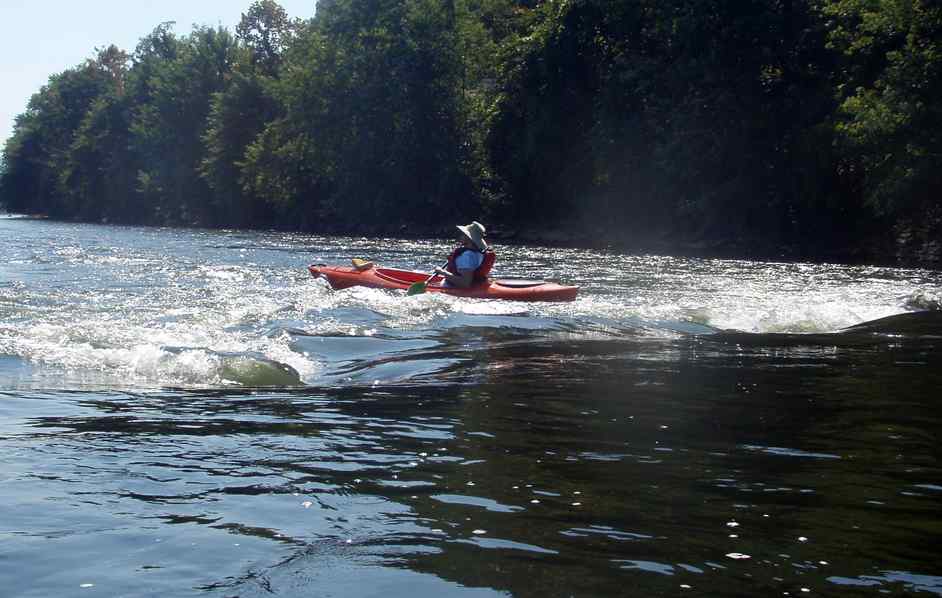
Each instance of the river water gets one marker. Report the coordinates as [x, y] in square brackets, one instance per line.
[189, 413]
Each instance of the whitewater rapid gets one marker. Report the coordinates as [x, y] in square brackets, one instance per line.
[101, 305]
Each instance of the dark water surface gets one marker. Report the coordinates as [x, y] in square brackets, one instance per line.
[188, 413]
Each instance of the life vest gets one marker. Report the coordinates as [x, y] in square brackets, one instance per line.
[480, 274]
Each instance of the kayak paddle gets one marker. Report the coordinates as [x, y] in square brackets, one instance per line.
[417, 288]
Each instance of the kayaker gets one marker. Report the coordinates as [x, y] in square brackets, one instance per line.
[470, 262]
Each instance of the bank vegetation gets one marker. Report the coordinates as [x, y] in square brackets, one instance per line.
[808, 129]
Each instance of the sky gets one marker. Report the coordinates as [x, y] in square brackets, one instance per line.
[40, 38]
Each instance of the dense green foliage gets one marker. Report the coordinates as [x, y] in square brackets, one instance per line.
[810, 125]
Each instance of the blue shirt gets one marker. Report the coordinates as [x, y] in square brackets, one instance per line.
[469, 260]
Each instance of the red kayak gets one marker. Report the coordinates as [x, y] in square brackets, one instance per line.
[342, 277]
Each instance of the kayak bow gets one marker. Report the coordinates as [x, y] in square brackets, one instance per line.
[342, 277]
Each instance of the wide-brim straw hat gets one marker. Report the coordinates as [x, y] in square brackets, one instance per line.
[475, 231]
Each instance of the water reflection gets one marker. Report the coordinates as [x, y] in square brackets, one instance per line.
[589, 461]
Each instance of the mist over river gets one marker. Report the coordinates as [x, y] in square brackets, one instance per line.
[190, 413]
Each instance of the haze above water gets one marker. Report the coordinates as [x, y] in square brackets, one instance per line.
[189, 412]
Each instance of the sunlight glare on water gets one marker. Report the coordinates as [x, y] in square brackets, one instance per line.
[188, 412]
[163, 307]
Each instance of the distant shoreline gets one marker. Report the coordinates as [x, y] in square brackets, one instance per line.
[864, 253]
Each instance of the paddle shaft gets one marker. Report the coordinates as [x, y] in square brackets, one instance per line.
[433, 275]
[419, 287]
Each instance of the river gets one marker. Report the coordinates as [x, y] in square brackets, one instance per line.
[190, 413]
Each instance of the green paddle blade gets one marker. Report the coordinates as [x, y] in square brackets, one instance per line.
[417, 288]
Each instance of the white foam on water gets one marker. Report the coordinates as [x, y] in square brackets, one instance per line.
[747, 296]
[399, 310]
[749, 307]
[187, 308]
[793, 315]
[202, 334]
[143, 355]
[491, 307]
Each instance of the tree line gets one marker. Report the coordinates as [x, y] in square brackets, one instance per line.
[804, 124]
